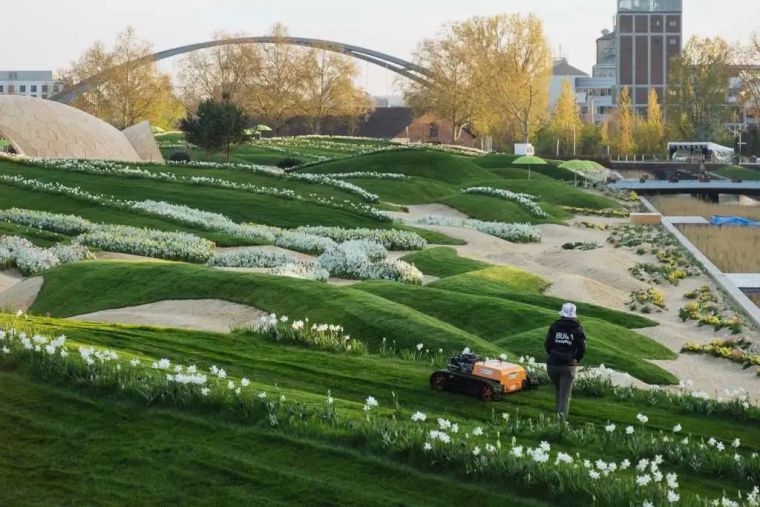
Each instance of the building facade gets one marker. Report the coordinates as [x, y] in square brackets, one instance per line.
[648, 34]
[29, 83]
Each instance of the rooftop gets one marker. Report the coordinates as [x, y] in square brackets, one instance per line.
[562, 68]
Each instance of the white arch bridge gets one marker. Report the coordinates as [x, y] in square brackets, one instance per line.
[391, 63]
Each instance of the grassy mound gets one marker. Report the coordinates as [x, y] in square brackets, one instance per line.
[45, 459]
[69, 290]
[443, 261]
[507, 322]
[430, 164]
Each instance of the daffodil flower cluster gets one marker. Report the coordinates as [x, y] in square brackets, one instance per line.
[149, 243]
[527, 201]
[516, 233]
[31, 260]
[330, 337]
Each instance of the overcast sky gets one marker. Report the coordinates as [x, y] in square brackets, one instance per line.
[48, 34]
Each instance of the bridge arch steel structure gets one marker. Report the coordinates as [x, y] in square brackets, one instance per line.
[392, 63]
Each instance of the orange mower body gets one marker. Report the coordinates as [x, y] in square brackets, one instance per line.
[487, 379]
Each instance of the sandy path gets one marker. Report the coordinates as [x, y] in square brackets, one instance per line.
[21, 295]
[601, 277]
[199, 314]
[9, 278]
[117, 256]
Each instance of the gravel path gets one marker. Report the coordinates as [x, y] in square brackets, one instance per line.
[198, 314]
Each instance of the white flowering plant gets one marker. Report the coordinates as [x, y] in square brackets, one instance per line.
[392, 239]
[516, 233]
[365, 260]
[149, 243]
[32, 260]
[527, 201]
[330, 337]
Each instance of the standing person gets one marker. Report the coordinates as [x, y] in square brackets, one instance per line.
[565, 345]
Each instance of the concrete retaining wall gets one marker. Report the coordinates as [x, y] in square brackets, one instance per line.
[724, 281]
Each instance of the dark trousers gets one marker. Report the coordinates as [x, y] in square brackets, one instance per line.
[563, 378]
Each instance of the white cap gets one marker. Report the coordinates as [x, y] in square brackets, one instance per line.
[568, 311]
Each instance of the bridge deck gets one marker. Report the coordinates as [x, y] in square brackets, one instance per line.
[688, 186]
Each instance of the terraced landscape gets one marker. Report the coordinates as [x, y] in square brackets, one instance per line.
[156, 347]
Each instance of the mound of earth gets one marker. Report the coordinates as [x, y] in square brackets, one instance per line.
[198, 314]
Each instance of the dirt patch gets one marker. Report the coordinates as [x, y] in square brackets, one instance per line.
[21, 295]
[713, 375]
[117, 256]
[198, 314]
[9, 278]
[422, 210]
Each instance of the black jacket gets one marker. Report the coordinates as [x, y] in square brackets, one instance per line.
[565, 343]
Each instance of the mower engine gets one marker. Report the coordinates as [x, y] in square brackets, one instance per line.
[487, 379]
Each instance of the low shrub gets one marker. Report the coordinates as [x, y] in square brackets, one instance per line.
[290, 162]
[179, 156]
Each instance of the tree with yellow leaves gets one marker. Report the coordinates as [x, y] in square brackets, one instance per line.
[650, 131]
[450, 92]
[621, 125]
[565, 124]
[131, 89]
[491, 73]
[329, 89]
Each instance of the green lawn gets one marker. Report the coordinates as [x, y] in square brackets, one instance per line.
[521, 327]
[738, 173]
[404, 314]
[443, 261]
[438, 177]
[68, 291]
[73, 444]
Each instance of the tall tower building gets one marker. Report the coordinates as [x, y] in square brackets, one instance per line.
[649, 33]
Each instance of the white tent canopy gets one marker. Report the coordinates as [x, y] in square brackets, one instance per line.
[710, 151]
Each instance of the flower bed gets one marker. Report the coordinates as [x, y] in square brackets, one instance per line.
[32, 260]
[606, 212]
[392, 239]
[280, 264]
[643, 300]
[368, 175]
[149, 243]
[517, 233]
[527, 201]
[365, 260]
[734, 349]
[64, 224]
[707, 311]
[581, 245]
[330, 337]
[673, 262]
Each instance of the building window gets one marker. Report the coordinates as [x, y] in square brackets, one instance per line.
[2, 90]
[433, 130]
[22, 89]
[11, 89]
[44, 88]
[34, 88]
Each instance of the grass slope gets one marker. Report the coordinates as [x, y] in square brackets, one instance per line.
[237, 205]
[189, 459]
[85, 446]
[499, 282]
[521, 328]
[69, 290]
[440, 177]
[443, 261]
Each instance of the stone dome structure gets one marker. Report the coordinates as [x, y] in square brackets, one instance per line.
[47, 129]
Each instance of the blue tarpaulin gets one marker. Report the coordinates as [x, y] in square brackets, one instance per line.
[743, 222]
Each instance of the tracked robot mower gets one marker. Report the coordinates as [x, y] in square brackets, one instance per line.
[486, 379]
